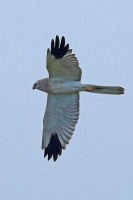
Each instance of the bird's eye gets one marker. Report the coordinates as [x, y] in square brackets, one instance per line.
[36, 84]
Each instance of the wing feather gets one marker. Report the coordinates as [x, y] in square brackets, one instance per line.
[61, 63]
[60, 119]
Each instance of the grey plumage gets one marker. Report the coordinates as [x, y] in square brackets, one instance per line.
[63, 87]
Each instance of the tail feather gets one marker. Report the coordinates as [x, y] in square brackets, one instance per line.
[116, 90]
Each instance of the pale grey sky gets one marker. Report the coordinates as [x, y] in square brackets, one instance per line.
[98, 162]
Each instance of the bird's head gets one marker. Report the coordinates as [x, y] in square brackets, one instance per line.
[41, 85]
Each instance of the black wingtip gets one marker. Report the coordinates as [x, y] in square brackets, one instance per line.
[58, 48]
[54, 148]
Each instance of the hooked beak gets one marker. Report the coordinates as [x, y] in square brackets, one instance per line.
[33, 87]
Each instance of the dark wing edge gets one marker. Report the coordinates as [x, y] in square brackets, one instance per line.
[54, 148]
[58, 47]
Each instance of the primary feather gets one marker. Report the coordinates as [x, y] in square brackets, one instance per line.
[61, 63]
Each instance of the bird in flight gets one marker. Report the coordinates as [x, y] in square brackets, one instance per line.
[63, 87]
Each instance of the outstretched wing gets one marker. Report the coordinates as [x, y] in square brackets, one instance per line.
[61, 63]
[60, 119]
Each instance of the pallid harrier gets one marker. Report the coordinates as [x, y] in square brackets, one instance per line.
[63, 87]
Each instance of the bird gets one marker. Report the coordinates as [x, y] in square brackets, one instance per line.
[63, 87]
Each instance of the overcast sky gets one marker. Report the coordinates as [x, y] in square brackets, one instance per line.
[98, 162]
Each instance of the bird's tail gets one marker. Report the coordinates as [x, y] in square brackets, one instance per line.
[116, 90]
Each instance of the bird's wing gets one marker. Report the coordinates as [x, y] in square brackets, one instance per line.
[61, 116]
[61, 63]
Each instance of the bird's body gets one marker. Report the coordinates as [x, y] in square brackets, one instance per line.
[63, 87]
[60, 86]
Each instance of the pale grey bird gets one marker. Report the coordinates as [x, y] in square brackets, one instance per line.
[63, 87]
